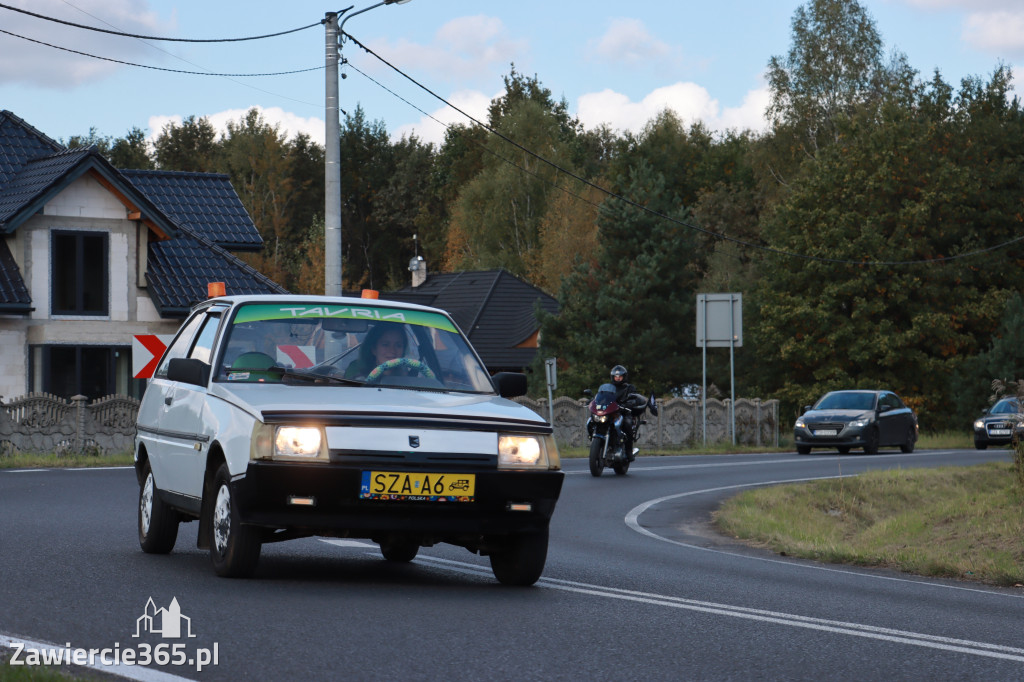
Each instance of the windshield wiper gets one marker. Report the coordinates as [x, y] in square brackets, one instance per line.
[316, 377]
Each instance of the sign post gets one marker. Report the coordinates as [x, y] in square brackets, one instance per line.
[551, 372]
[719, 324]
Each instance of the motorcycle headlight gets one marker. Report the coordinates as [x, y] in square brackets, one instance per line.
[527, 452]
[601, 418]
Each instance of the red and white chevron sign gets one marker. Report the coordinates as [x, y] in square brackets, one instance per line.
[146, 352]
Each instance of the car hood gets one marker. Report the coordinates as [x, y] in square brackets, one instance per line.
[815, 416]
[262, 400]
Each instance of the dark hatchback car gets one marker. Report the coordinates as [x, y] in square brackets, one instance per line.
[856, 419]
[1001, 424]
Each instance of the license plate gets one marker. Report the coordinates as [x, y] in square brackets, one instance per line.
[1000, 432]
[417, 487]
[826, 432]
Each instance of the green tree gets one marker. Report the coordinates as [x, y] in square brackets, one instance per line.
[914, 183]
[131, 151]
[191, 146]
[637, 303]
[495, 222]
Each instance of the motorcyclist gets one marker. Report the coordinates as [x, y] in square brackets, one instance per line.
[627, 396]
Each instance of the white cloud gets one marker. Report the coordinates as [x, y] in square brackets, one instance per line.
[463, 49]
[31, 63]
[627, 41]
[996, 31]
[288, 123]
[428, 129]
[691, 102]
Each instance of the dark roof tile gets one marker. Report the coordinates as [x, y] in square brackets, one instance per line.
[205, 203]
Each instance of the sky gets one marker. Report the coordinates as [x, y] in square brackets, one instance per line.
[613, 63]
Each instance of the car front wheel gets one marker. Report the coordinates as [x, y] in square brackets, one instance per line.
[908, 444]
[399, 550]
[234, 548]
[803, 449]
[158, 523]
[871, 442]
[521, 560]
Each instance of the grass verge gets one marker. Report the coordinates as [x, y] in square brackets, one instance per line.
[950, 522]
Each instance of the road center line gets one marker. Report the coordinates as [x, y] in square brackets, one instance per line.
[822, 625]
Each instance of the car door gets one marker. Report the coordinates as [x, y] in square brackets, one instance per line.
[159, 391]
[182, 420]
[892, 419]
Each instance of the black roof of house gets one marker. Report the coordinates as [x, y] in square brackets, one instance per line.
[494, 308]
[205, 203]
[200, 213]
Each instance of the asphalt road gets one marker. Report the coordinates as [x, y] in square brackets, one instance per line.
[636, 587]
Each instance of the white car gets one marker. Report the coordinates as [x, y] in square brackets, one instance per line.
[279, 417]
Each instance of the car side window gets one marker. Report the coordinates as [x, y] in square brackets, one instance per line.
[203, 348]
[179, 347]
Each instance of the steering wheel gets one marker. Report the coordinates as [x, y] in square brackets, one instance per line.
[379, 370]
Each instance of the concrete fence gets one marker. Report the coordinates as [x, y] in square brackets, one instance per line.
[44, 423]
[680, 422]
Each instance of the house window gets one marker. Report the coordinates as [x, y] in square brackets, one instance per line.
[79, 273]
[92, 371]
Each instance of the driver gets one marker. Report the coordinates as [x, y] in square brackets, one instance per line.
[384, 342]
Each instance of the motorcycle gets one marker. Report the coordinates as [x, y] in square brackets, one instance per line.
[605, 430]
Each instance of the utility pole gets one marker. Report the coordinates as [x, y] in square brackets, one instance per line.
[332, 162]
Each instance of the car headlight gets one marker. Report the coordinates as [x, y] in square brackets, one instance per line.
[863, 421]
[979, 424]
[272, 441]
[800, 424]
[527, 452]
[297, 441]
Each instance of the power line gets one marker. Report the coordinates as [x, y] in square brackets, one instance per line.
[711, 233]
[160, 68]
[144, 37]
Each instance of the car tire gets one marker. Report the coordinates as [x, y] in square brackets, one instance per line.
[908, 445]
[520, 561]
[803, 449]
[234, 548]
[871, 442]
[980, 446]
[843, 449]
[596, 459]
[399, 550]
[158, 523]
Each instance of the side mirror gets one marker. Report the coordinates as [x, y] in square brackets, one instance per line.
[587, 392]
[807, 408]
[189, 371]
[510, 384]
[884, 408]
[652, 405]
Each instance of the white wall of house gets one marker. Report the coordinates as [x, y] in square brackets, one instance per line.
[83, 206]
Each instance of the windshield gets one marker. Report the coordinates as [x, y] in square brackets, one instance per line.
[847, 401]
[276, 343]
[1006, 406]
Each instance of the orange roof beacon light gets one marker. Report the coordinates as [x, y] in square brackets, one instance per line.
[215, 289]
[370, 293]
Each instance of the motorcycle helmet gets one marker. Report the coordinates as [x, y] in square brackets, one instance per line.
[619, 374]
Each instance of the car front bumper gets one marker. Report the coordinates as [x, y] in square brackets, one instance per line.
[505, 502]
[851, 436]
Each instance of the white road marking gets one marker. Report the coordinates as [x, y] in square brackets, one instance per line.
[632, 520]
[758, 462]
[779, 618]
